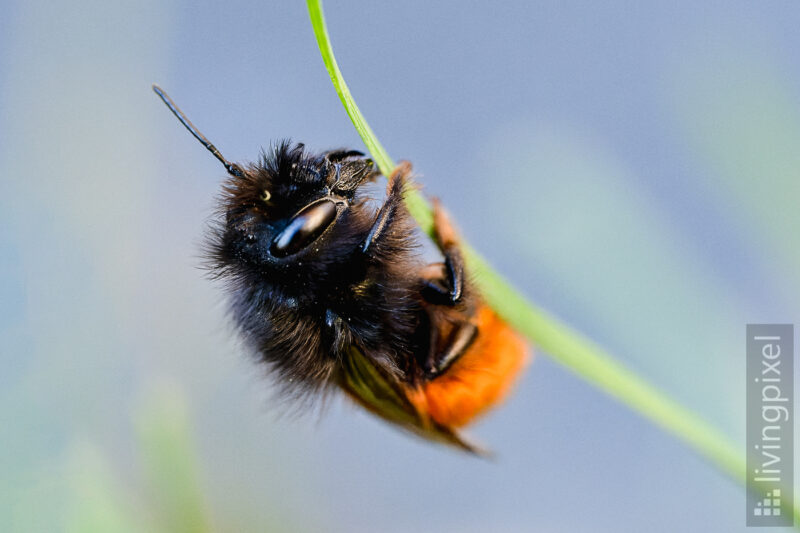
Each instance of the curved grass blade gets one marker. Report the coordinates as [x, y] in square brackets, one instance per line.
[558, 340]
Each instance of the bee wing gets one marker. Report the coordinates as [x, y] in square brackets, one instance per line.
[378, 392]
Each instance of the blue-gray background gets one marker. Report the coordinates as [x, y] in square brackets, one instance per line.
[632, 167]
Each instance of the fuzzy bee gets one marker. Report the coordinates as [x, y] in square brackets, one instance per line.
[328, 291]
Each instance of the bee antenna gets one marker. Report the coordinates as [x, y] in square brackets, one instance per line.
[232, 168]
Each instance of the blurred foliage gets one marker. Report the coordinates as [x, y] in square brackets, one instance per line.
[170, 464]
[743, 123]
[99, 504]
[166, 496]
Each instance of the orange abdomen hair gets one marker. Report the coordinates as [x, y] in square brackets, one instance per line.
[479, 379]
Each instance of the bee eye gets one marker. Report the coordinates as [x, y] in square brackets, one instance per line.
[265, 195]
[304, 228]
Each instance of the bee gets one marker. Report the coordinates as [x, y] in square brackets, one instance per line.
[329, 292]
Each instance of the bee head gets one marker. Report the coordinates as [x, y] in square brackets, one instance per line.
[288, 203]
[282, 213]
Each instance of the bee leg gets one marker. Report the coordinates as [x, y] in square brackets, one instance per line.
[460, 341]
[433, 281]
[394, 199]
[444, 283]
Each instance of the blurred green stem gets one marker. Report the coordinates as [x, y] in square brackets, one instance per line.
[562, 343]
[171, 464]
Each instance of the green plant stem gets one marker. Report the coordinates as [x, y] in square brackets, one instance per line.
[558, 340]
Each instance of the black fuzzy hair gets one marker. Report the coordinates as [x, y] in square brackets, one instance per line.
[300, 313]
